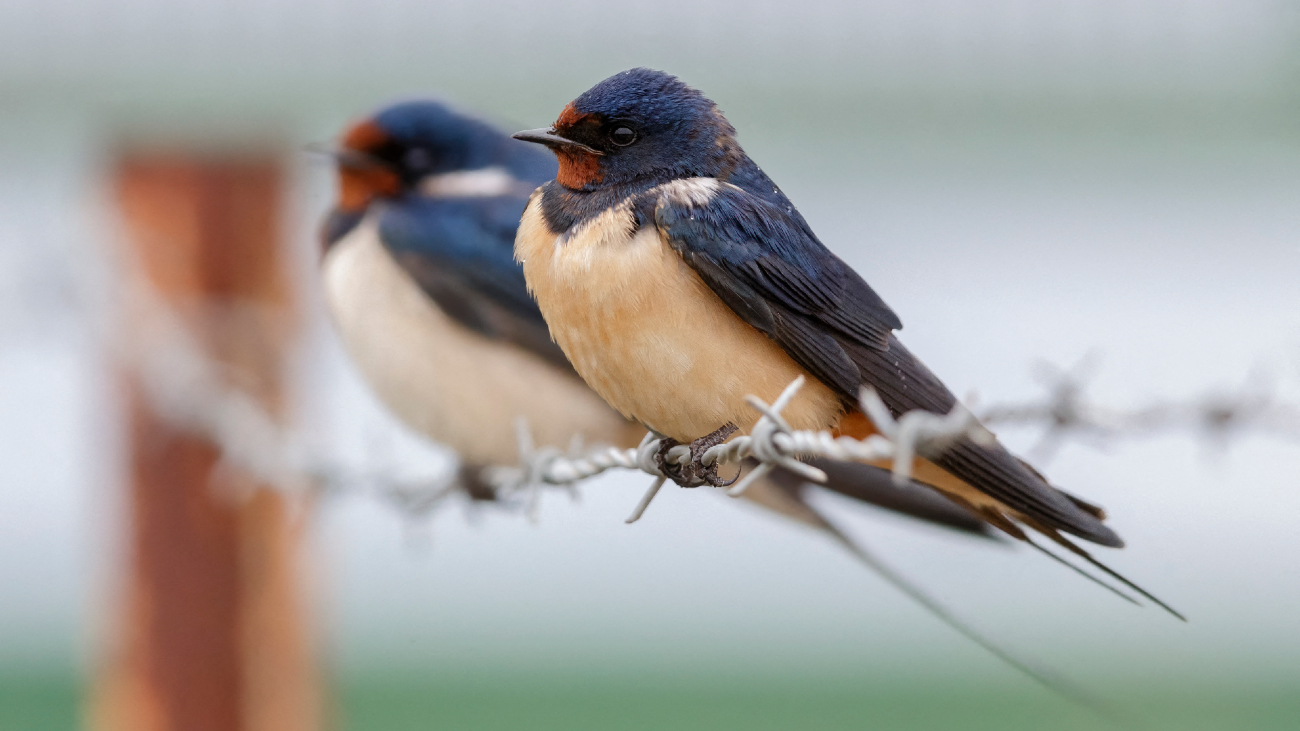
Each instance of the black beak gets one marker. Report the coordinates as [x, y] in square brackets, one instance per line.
[353, 159]
[548, 137]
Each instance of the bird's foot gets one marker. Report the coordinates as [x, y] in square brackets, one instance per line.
[694, 473]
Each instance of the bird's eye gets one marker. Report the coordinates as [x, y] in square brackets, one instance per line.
[418, 159]
[623, 136]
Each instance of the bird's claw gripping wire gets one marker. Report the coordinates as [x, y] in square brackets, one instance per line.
[685, 464]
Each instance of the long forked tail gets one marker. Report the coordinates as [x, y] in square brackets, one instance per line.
[1073, 548]
[1008, 525]
[1082, 573]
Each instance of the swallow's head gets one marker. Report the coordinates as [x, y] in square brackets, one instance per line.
[638, 125]
[389, 154]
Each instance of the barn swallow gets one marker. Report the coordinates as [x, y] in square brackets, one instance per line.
[678, 279]
[423, 287]
[420, 277]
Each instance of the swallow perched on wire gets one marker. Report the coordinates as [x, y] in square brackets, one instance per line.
[421, 280]
[678, 279]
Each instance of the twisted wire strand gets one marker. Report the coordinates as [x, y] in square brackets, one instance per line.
[771, 442]
[192, 390]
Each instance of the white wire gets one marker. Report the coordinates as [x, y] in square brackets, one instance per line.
[190, 389]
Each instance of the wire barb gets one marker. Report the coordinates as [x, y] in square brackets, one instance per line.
[645, 500]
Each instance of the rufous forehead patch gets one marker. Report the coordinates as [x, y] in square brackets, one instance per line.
[365, 136]
[571, 116]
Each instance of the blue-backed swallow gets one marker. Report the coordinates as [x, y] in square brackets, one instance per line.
[422, 284]
[678, 278]
[424, 292]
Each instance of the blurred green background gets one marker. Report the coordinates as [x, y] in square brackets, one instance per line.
[1020, 180]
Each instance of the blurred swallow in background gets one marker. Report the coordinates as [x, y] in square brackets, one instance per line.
[678, 278]
[429, 302]
[422, 283]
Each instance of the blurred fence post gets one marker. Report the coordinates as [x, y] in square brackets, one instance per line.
[212, 632]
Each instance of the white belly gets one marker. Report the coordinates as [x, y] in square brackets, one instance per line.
[444, 380]
[650, 337]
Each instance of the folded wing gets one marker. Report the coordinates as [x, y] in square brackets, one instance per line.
[764, 262]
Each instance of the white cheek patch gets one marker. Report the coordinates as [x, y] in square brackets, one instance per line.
[485, 183]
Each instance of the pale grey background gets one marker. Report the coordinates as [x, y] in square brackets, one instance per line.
[1020, 181]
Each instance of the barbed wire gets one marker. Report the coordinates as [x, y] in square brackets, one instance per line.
[194, 392]
[1218, 417]
[771, 443]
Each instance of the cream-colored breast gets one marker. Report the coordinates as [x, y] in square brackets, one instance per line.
[649, 336]
[444, 380]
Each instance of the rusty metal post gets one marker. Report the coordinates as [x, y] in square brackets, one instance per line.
[213, 635]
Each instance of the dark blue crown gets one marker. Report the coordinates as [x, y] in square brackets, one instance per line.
[655, 97]
[460, 142]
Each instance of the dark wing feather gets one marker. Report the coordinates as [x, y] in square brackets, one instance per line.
[774, 255]
[904, 383]
[460, 252]
[764, 262]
